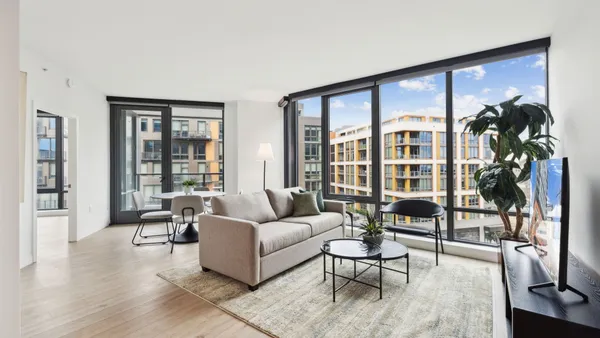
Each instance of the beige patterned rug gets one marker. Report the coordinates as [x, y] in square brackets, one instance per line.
[453, 299]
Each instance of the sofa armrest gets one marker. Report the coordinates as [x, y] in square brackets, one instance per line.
[335, 206]
[230, 246]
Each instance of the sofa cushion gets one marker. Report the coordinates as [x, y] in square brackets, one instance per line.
[274, 236]
[251, 207]
[318, 223]
[281, 201]
[305, 204]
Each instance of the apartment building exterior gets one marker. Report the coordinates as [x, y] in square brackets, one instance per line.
[414, 150]
[196, 153]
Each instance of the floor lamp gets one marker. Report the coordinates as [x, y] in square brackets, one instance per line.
[265, 153]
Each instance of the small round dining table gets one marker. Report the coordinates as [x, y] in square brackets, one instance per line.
[190, 234]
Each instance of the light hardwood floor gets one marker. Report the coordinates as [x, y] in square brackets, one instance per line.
[102, 286]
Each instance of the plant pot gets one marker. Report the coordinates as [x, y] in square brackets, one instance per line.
[377, 239]
[188, 190]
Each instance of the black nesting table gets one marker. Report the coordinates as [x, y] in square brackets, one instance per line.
[352, 249]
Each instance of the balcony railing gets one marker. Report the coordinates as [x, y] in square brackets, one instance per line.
[401, 174]
[400, 141]
[362, 147]
[192, 135]
[362, 158]
[419, 156]
[181, 156]
[362, 184]
[362, 173]
[415, 141]
[151, 156]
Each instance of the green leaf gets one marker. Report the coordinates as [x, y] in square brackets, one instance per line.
[547, 111]
[520, 200]
[509, 103]
[515, 144]
[535, 112]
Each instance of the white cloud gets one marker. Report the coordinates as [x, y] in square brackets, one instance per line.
[429, 111]
[464, 105]
[420, 84]
[540, 62]
[366, 106]
[477, 72]
[486, 91]
[337, 104]
[539, 90]
[511, 92]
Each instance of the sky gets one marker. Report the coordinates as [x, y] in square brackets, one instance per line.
[490, 83]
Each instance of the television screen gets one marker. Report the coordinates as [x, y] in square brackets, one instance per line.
[548, 220]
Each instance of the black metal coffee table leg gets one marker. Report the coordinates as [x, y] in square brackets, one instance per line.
[407, 268]
[380, 279]
[333, 276]
[324, 267]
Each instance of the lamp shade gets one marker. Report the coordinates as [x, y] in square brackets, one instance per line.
[265, 152]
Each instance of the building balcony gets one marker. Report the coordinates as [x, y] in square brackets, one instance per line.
[418, 141]
[362, 147]
[192, 135]
[362, 184]
[362, 173]
[42, 181]
[362, 158]
[46, 155]
[419, 157]
[42, 130]
[401, 142]
[151, 156]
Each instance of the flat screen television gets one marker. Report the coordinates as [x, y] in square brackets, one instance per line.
[548, 230]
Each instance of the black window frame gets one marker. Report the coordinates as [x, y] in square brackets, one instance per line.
[372, 83]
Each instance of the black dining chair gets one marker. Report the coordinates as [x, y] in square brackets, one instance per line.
[416, 208]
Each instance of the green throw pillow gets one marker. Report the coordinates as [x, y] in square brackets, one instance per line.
[319, 195]
[305, 204]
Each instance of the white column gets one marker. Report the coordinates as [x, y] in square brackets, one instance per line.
[9, 170]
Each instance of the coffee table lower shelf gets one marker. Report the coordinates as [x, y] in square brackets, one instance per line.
[354, 279]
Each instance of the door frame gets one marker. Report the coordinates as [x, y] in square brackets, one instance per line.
[116, 157]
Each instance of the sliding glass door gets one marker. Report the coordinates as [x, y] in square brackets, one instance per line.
[154, 149]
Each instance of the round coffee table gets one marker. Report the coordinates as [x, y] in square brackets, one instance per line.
[352, 249]
[391, 250]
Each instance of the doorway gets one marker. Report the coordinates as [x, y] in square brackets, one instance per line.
[55, 166]
[155, 148]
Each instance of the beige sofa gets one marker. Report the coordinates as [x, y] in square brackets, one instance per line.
[253, 237]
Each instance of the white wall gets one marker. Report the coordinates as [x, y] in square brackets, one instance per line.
[47, 90]
[574, 70]
[9, 170]
[247, 124]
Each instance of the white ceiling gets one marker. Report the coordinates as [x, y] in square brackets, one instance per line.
[222, 50]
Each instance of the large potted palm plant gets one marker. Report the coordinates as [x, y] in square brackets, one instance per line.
[516, 139]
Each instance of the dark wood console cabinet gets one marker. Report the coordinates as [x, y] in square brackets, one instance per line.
[547, 312]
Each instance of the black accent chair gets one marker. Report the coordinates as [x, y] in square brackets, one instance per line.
[416, 208]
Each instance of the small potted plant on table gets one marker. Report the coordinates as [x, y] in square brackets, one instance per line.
[373, 230]
[188, 186]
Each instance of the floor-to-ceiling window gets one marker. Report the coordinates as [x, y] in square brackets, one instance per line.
[420, 150]
[157, 147]
[51, 168]
[487, 83]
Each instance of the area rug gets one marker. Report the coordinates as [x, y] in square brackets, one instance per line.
[453, 299]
